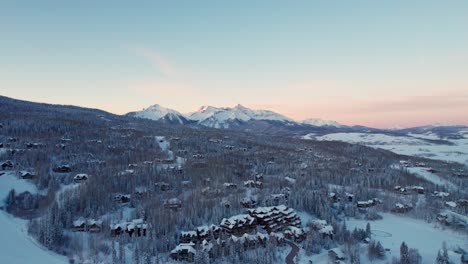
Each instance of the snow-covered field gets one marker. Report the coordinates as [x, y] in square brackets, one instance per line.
[392, 230]
[412, 144]
[431, 177]
[16, 246]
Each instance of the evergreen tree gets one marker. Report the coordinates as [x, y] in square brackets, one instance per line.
[404, 254]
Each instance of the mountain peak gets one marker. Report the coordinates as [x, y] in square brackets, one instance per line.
[320, 122]
[158, 112]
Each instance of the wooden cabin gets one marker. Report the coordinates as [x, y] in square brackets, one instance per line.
[336, 254]
[275, 218]
[239, 224]
[122, 198]
[7, 164]
[81, 177]
[173, 203]
[62, 169]
[184, 252]
[27, 175]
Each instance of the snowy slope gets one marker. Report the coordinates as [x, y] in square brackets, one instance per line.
[321, 123]
[16, 246]
[411, 144]
[157, 112]
[221, 117]
[392, 230]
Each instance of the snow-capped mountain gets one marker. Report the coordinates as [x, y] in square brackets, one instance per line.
[224, 117]
[321, 123]
[160, 113]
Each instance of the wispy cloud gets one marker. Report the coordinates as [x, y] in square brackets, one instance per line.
[157, 60]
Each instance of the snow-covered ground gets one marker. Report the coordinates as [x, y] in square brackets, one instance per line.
[16, 246]
[431, 177]
[412, 144]
[392, 230]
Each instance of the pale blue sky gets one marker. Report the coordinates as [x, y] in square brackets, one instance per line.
[381, 63]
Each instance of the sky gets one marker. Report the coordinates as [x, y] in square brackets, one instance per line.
[392, 63]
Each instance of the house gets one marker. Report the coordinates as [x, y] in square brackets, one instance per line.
[275, 218]
[27, 175]
[322, 227]
[7, 164]
[94, 226]
[294, 233]
[402, 208]
[188, 236]
[248, 202]
[33, 145]
[173, 203]
[253, 184]
[462, 203]
[418, 189]
[349, 197]
[122, 198]
[333, 197]
[79, 225]
[440, 194]
[81, 177]
[230, 185]
[239, 224]
[368, 203]
[137, 227]
[141, 192]
[336, 254]
[62, 169]
[184, 252]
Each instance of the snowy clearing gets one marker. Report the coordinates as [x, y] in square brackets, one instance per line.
[411, 145]
[392, 230]
[16, 246]
[431, 177]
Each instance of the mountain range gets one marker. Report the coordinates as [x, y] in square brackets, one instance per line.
[226, 117]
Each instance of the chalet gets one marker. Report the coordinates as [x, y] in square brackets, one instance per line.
[336, 254]
[118, 229]
[253, 184]
[229, 147]
[122, 198]
[349, 197]
[418, 189]
[94, 226]
[294, 233]
[239, 224]
[141, 192]
[230, 185]
[368, 203]
[400, 190]
[188, 236]
[443, 218]
[147, 162]
[431, 170]
[440, 194]
[275, 218]
[173, 203]
[184, 252]
[12, 139]
[405, 163]
[132, 166]
[79, 225]
[402, 208]
[322, 228]
[81, 177]
[420, 164]
[198, 156]
[7, 164]
[333, 197]
[248, 202]
[258, 176]
[27, 175]
[137, 227]
[33, 145]
[62, 169]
